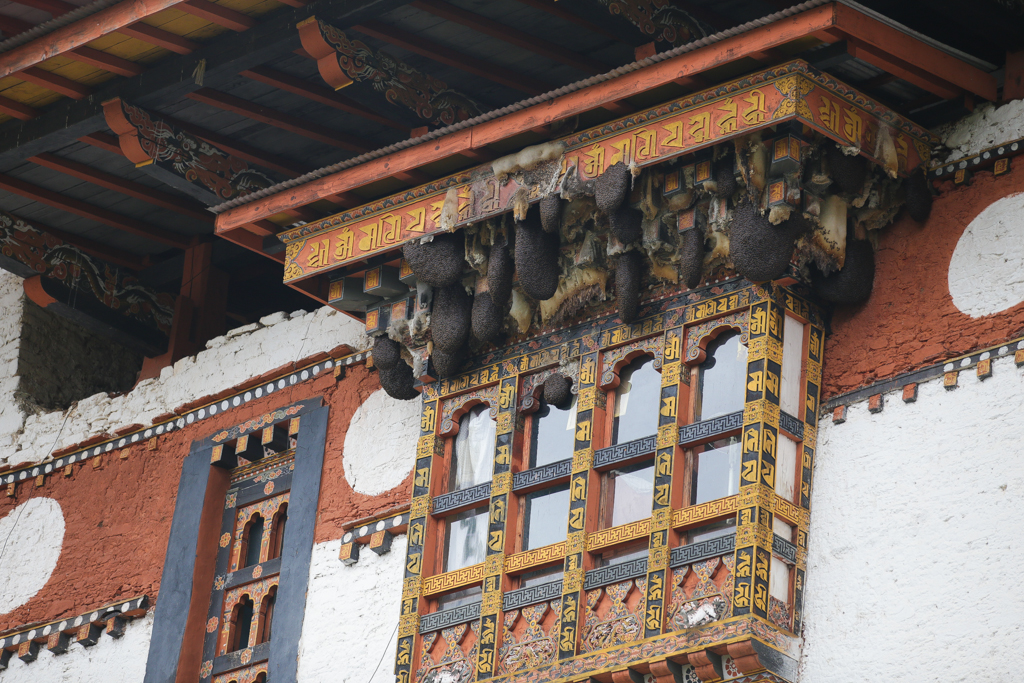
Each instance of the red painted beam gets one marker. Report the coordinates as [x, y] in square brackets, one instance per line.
[217, 14]
[105, 61]
[272, 117]
[104, 141]
[95, 213]
[915, 53]
[445, 55]
[17, 109]
[177, 204]
[510, 35]
[159, 37]
[901, 69]
[79, 33]
[54, 82]
[689, 64]
[318, 93]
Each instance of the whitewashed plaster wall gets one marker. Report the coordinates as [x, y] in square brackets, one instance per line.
[241, 354]
[12, 416]
[351, 615]
[915, 546]
[108, 661]
[987, 126]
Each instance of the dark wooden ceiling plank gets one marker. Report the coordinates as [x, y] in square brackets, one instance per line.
[318, 93]
[12, 27]
[96, 213]
[177, 204]
[446, 55]
[104, 141]
[277, 119]
[511, 35]
[17, 109]
[54, 7]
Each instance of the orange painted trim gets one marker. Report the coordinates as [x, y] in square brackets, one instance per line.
[481, 135]
[35, 292]
[127, 134]
[79, 33]
[325, 55]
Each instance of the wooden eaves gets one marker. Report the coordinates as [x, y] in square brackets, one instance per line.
[866, 37]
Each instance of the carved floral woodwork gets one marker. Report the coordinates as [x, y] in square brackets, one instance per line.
[147, 139]
[343, 60]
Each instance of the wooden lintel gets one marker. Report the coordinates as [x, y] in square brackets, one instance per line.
[562, 107]
[180, 205]
[92, 212]
[79, 33]
[277, 119]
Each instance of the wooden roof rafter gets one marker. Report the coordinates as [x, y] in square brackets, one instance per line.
[92, 212]
[828, 23]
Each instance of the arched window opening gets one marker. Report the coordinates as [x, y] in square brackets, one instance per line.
[277, 532]
[552, 435]
[253, 540]
[260, 678]
[266, 616]
[473, 454]
[720, 378]
[636, 401]
[241, 624]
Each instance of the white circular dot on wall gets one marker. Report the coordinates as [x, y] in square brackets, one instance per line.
[380, 444]
[986, 273]
[35, 533]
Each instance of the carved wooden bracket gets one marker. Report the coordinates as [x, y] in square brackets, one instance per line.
[745, 656]
[342, 61]
[107, 299]
[180, 159]
[707, 665]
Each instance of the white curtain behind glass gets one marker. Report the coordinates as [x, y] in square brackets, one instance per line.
[474, 448]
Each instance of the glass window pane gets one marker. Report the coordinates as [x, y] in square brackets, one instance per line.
[792, 361]
[554, 431]
[637, 399]
[628, 493]
[465, 596]
[627, 554]
[778, 583]
[726, 527]
[546, 517]
[721, 377]
[718, 470]
[254, 541]
[465, 535]
[785, 468]
[539, 576]
[474, 449]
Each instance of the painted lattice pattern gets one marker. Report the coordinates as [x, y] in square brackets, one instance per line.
[449, 656]
[265, 509]
[256, 592]
[248, 675]
[614, 615]
[779, 613]
[701, 593]
[530, 637]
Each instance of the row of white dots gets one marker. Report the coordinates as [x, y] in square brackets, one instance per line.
[985, 355]
[379, 526]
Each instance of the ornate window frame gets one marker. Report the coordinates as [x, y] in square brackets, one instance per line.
[195, 555]
[664, 581]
